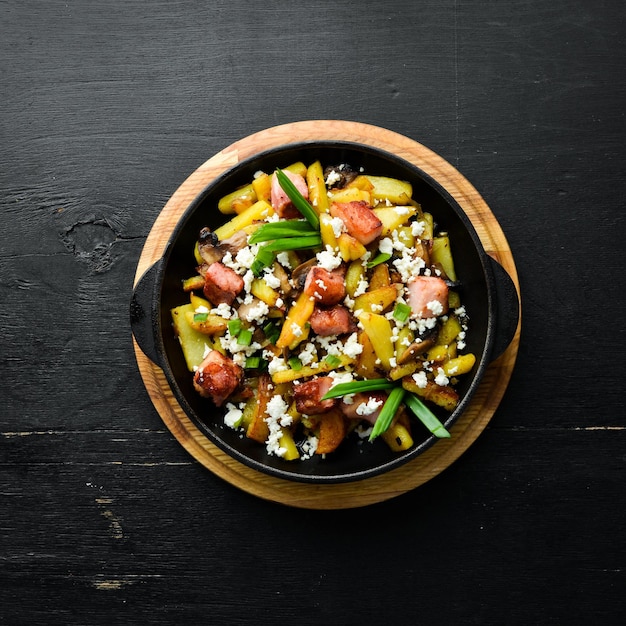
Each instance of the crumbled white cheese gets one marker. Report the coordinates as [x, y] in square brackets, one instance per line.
[420, 379]
[277, 418]
[417, 228]
[435, 306]
[421, 325]
[276, 364]
[361, 287]
[352, 348]
[408, 266]
[308, 354]
[271, 280]
[245, 257]
[283, 259]
[385, 246]
[233, 416]
[441, 379]
[403, 210]
[223, 310]
[248, 277]
[201, 309]
[328, 260]
[257, 312]
[369, 407]
[332, 178]
[340, 376]
[296, 329]
[338, 226]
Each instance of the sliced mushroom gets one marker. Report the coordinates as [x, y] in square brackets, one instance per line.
[211, 249]
[208, 246]
[298, 276]
[419, 346]
[281, 274]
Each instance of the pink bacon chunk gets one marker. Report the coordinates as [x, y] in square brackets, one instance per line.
[428, 296]
[308, 396]
[360, 221]
[217, 377]
[280, 200]
[221, 284]
[327, 288]
[333, 321]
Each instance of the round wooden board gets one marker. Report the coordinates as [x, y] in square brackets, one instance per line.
[439, 456]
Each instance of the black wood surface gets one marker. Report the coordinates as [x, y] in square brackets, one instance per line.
[106, 108]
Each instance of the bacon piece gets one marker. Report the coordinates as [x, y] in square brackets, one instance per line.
[221, 283]
[357, 410]
[333, 321]
[280, 200]
[308, 396]
[361, 222]
[327, 288]
[217, 377]
[425, 291]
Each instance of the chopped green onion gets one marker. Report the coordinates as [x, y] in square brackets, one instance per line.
[200, 317]
[299, 201]
[426, 416]
[402, 311]
[333, 360]
[272, 332]
[234, 327]
[264, 258]
[295, 363]
[253, 362]
[277, 230]
[244, 338]
[377, 260]
[295, 243]
[346, 389]
[387, 413]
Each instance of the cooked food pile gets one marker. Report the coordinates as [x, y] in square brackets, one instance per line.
[325, 306]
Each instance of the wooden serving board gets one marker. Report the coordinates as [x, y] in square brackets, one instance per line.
[435, 459]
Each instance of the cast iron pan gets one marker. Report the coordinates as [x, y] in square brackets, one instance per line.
[486, 290]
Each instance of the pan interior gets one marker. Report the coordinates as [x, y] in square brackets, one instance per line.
[355, 459]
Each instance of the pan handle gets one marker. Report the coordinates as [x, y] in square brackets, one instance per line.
[507, 309]
[143, 321]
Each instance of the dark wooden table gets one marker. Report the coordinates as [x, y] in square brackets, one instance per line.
[106, 108]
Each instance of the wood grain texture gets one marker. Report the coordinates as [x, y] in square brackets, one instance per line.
[466, 429]
[106, 107]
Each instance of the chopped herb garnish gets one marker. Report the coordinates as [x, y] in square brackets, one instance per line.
[278, 230]
[234, 327]
[264, 258]
[295, 363]
[253, 363]
[401, 312]
[295, 243]
[346, 389]
[299, 201]
[333, 360]
[272, 332]
[200, 317]
[387, 413]
[244, 338]
[426, 416]
[378, 259]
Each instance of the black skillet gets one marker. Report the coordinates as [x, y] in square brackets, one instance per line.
[487, 292]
